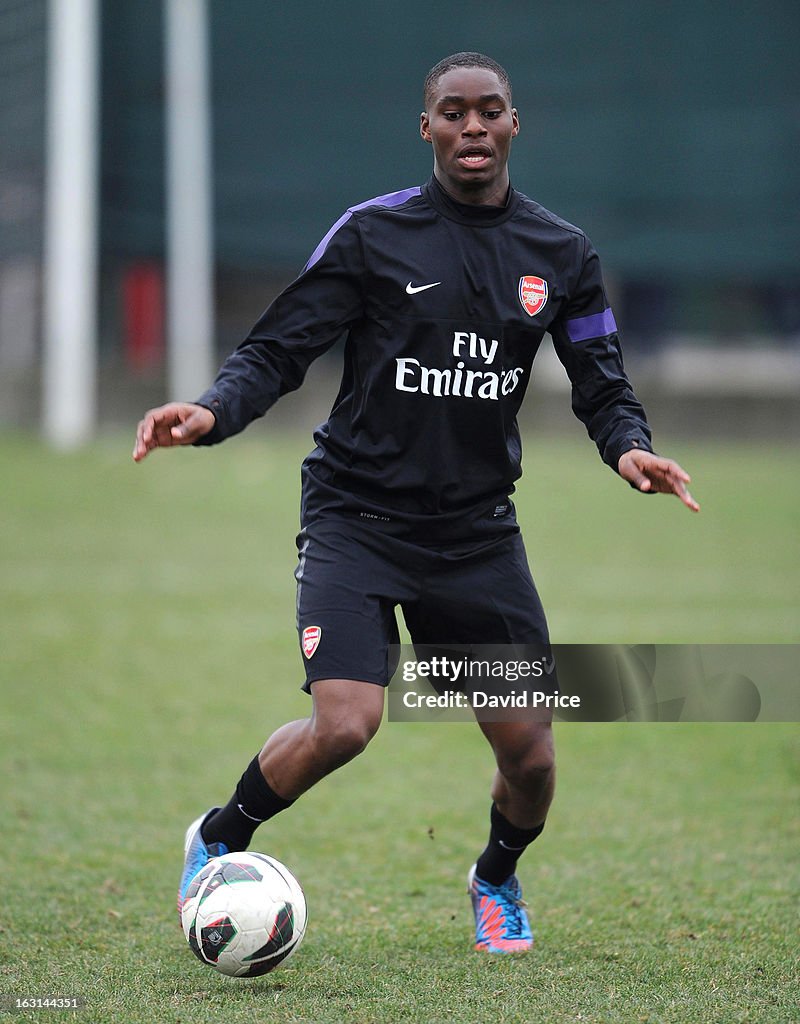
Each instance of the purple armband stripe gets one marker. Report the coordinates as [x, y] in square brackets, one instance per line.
[598, 325]
[390, 199]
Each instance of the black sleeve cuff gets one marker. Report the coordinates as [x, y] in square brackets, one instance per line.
[616, 449]
[217, 433]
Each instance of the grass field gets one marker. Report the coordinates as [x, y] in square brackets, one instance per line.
[148, 648]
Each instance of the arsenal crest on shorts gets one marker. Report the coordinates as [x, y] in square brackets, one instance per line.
[311, 638]
[532, 294]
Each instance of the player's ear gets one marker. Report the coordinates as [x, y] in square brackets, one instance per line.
[515, 122]
[425, 126]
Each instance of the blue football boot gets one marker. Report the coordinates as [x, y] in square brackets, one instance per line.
[197, 854]
[501, 923]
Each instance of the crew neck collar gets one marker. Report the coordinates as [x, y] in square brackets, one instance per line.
[466, 213]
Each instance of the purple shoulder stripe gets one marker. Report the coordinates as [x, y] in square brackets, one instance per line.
[323, 245]
[389, 200]
[598, 325]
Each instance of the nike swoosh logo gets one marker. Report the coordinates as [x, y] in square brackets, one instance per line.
[412, 290]
[250, 816]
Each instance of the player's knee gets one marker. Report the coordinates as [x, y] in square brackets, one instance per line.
[529, 770]
[339, 742]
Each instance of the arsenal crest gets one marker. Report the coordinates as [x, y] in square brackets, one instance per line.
[532, 294]
[311, 638]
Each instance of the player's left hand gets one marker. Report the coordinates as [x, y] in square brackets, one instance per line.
[654, 474]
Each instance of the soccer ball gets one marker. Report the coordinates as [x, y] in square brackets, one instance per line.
[244, 914]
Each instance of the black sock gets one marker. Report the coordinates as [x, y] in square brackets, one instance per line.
[507, 843]
[253, 802]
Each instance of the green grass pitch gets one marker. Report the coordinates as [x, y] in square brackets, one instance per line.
[148, 648]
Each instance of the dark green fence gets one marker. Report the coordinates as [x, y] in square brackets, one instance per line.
[668, 131]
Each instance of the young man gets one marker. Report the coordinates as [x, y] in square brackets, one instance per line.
[444, 292]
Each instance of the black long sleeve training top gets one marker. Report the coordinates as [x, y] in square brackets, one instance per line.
[444, 307]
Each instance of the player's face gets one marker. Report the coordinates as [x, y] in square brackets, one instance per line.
[470, 124]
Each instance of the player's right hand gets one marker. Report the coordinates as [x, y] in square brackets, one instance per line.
[171, 424]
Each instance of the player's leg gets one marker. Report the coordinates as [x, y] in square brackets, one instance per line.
[346, 715]
[489, 601]
[345, 635]
[522, 792]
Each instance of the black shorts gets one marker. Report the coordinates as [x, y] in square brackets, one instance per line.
[351, 578]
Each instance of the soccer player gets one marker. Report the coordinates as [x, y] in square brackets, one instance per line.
[444, 292]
